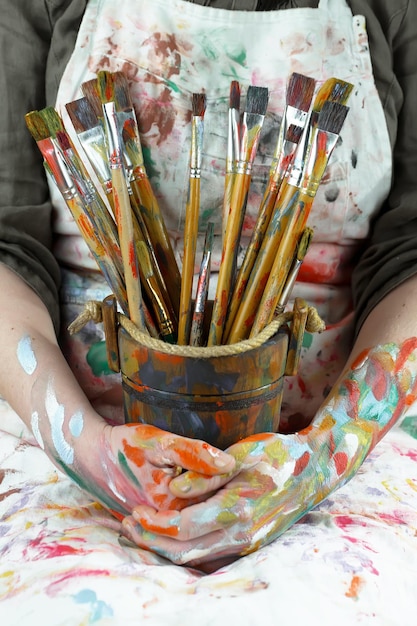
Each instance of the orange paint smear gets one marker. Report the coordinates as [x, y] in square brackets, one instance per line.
[134, 454]
[355, 585]
[171, 531]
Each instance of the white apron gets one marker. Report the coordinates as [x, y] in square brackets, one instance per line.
[172, 48]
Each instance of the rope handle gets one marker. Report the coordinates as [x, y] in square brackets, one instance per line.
[93, 311]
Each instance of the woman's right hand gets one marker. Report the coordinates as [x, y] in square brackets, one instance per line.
[134, 464]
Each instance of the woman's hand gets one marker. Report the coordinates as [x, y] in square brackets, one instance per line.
[278, 478]
[135, 464]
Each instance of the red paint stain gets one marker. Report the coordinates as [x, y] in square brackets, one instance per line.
[132, 260]
[354, 393]
[407, 347]
[340, 461]
[301, 463]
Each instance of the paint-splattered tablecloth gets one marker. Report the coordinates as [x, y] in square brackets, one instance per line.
[353, 560]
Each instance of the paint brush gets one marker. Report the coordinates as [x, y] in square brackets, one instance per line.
[92, 199]
[60, 173]
[92, 138]
[191, 217]
[197, 323]
[302, 249]
[299, 96]
[332, 90]
[146, 202]
[324, 139]
[160, 310]
[233, 142]
[122, 207]
[251, 126]
[288, 205]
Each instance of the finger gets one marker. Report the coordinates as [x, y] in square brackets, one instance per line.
[191, 484]
[218, 513]
[210, 547]
[193, 454]
[164, 449]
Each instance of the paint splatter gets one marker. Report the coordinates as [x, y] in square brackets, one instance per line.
[76, 424]
[26, 355]
[34, 423]
[409, 425]
[355, 584]
[56, 416]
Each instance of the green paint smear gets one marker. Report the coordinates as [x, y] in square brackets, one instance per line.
[124, 464]
[92, 490]
[173, 86]
[307, 340]
[239, 58]
[409, 425]
[149, 163]
[97, 359]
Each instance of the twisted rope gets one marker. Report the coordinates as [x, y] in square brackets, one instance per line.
[93, 312]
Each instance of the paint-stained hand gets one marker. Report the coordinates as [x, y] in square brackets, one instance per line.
[278, 478]
[138, 462]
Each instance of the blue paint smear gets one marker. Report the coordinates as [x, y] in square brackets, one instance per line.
[99, 609]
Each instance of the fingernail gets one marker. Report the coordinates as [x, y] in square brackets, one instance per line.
[183, 487]
[221, 461]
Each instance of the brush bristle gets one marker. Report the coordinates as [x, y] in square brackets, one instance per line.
[304, 243]
[199, 104]
[105, 86]
[300, 91]
[332, 117]
[323, 94]
[90, 91]
[52, 119]
[234, 96]
[341, 91]
[294, 133]
[122, 95]
[208, 242]
[257, 100]
[82, 115]
[37, 126]
[63, 140]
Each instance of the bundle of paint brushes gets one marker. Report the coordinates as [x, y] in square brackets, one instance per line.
[124, 229]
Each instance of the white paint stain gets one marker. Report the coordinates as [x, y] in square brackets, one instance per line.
[56, 416]
[34, 423]
[26, 355]
[76, 424]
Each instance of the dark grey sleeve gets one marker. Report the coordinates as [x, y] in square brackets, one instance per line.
[391, 256]
[30, 49]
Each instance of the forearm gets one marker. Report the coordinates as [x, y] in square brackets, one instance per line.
[34, 376]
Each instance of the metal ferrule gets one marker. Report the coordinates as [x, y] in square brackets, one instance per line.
[94, 145]
[197, 129]
[114, 144]
[288, 287]
[321, 148]
[60, 171]
[292, 116]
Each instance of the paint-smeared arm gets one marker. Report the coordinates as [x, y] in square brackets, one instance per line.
[281, 477]
[121, 466]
